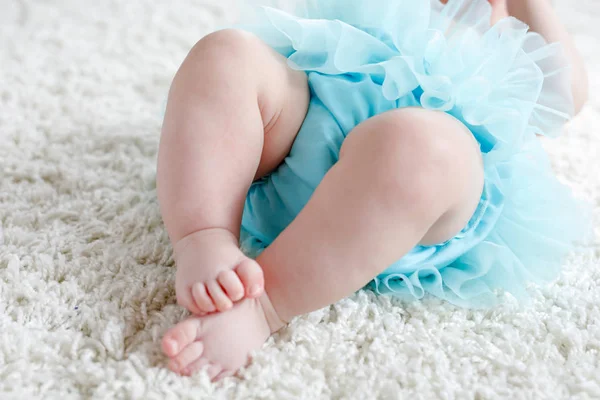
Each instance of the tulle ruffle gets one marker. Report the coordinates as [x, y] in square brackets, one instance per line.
[503, 78]
[503, 82]
[525, 225]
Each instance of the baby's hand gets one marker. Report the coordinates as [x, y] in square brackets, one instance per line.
[213, 273]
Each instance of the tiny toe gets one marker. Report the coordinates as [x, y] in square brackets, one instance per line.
[213, 371]
[202, 298]
[218, 296]
[170, 347]
[195, 366]
[187, 301]
[251, 275]
[188, 355]
[224, 374]
[181, 335]
[232, 285]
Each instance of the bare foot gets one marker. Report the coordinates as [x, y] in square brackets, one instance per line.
[213, 273]
[220, 342]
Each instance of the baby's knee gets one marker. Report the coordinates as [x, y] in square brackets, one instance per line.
[223, 66]
[424, 156]
[224, 47]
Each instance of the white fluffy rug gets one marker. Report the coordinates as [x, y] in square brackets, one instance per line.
[86, 275]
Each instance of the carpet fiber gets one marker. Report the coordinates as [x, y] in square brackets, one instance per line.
[86, 273]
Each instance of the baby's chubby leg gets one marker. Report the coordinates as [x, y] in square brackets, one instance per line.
[404, 177]
[233, 112]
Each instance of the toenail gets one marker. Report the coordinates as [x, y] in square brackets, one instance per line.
[255, 290]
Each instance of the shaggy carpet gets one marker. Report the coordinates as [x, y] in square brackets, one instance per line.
[86, 273]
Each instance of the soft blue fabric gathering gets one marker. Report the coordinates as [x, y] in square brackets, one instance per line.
[504, 83]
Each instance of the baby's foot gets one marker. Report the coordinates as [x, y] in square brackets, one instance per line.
[220, 342]
[213, 273]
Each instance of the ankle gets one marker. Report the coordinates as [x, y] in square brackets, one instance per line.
[203, 236]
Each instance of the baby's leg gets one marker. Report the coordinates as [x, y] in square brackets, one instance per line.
[234, 110]
[404, 177]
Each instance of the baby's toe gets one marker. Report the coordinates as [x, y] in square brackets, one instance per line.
[232, 285]
[213, 371]
[185, 299]
[180, 336]
[251, 275]
[195, 366]
[220, 299]
[187, 356]
[224, 374]
[202, 299]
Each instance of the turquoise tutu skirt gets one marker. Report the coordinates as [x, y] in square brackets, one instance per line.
[366, 57]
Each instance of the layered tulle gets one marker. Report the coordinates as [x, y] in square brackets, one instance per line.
[503, 82]
[526, 223]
